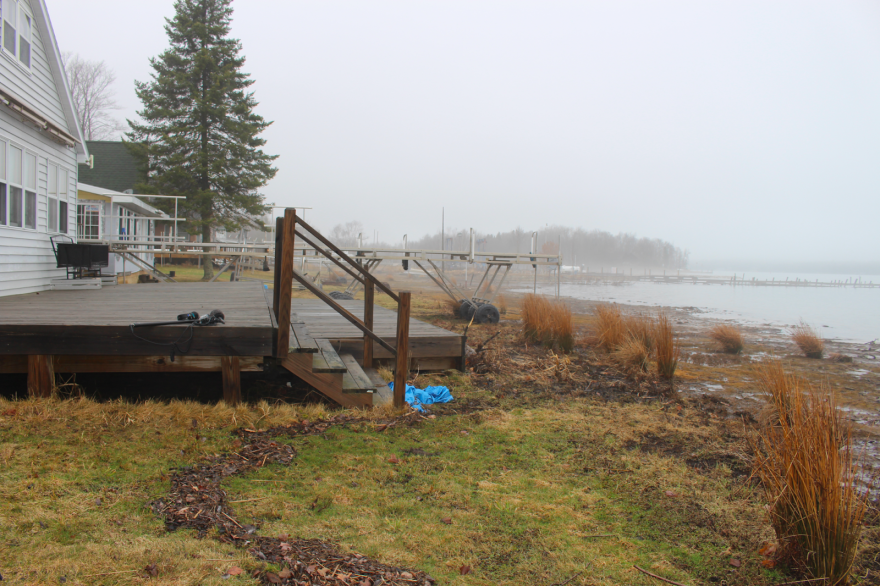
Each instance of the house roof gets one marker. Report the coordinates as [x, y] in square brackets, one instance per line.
[53, 55]
[131, 202]
[114, 167]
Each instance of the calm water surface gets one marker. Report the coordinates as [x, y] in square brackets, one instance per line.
[843, 313]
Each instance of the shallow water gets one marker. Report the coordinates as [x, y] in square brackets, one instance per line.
[842, 313]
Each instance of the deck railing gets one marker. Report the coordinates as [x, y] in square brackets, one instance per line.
[287, 229]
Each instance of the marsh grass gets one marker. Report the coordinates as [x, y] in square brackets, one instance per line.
[804, 459]
[729, 338]
[610, 327]
[668, 352]
[547, 322]
[452, 306]
[808, 340]
[632, 355]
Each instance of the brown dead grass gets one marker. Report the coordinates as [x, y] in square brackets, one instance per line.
[804, 459]
[668, 351]
[547, 322]
[729, 338]
[452, 306]
[808, 340]
[632, 356]
[610, 327]
[501, 303]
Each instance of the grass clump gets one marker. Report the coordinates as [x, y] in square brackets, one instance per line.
[808, 340]
[668, 351]
[547, 322]
[632, 355]
[610, 327]
[728, 337]
[804, 459]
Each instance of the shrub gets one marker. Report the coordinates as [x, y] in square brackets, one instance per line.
[728, 337]
[668, 351]
[501, 303]
[453, 306]
[547, 322]
[808, 341]
[804, 460]
[642, 328]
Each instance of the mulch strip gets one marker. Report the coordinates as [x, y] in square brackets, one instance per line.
[198, 501]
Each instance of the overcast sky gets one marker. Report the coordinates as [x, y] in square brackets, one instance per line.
[737, 130]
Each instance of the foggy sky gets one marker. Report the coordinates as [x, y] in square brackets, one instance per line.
[737, 130]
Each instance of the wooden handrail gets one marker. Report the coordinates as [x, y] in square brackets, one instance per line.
[341, 311]
[330, 257]
[401, 369]
[350, 261]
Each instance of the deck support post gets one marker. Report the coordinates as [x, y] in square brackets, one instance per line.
[284, 283]
[230, 367]
[369, 294]
[276, 288]
[41, 375]
[402, 369]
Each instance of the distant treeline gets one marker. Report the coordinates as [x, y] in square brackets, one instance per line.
[593, 248]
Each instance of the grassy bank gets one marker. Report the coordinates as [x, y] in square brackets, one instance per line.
[547, 469]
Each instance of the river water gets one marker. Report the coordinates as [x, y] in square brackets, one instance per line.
[842, 313]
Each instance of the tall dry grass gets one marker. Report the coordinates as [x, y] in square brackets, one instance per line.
[808, 340]
[804, 459]
[610, 326]
[632, 355]
[668, 352]
[728, 337]
[547, 322]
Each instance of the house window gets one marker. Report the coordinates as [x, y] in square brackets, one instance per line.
[53, 198]
[57, 198]
[63, 188]
[88, 220]
[17, 30]
[15, 190]
[30, 191]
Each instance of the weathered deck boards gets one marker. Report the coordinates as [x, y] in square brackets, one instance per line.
[98, 322]
[430, 347]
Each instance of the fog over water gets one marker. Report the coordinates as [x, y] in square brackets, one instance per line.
[743, 131]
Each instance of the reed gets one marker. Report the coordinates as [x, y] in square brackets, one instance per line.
[641, 327]
[610, 326]
[804, 460]
[632, 355]
[547, 322]
[667, 351]
[808, 341]
[728, 337]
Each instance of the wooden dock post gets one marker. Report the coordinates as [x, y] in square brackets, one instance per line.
[230, 367]
[369, 294]
[402, 369]
[284, 282]
[41, 375]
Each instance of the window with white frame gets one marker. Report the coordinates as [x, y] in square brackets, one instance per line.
[30, 190]
[88, 220]
[63, 189]
[17, 30]
[52, 193]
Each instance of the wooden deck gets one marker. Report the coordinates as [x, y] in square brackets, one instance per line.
[90, 331]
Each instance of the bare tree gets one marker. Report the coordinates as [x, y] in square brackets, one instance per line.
[346, 235]
[91, 85]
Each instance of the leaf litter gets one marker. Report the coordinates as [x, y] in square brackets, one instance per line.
[197, 501]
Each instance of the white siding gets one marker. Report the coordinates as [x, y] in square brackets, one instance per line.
[27, 263]
[36, 87]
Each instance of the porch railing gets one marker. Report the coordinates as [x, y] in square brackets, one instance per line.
[286, 231]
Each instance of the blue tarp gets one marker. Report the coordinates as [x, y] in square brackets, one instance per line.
[427, 396]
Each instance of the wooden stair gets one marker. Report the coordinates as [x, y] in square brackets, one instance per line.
[338, 377]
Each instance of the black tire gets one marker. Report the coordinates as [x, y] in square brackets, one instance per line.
[341, 296]
[467, 309]
[487, 314]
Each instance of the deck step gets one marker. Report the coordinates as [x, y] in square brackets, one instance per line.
[355, 379]
[383, 394]
[300, 339]
[326, 359]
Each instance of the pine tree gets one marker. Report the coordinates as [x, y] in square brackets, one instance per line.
[199, 135]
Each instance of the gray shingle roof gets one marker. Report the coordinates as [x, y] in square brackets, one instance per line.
[115, 168]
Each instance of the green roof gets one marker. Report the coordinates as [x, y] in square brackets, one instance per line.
[114, 168]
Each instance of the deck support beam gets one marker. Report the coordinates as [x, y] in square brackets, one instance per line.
[284, 283]
[402, 370]
[369, 295]
[41, 375]
[230, 367]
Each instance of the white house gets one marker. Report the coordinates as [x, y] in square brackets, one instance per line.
[40, 145]
[106, 216]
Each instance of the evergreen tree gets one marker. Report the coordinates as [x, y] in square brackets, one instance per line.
[199, 135]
